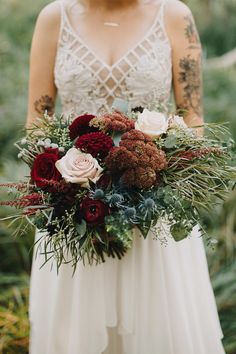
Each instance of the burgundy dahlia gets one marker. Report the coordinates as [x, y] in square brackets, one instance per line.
[94, 211]
[81, 126]
[97, 144]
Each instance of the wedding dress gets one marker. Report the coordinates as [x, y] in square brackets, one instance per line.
[156, 300]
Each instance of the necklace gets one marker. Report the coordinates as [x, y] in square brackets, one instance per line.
[111, 24]
[115, 24]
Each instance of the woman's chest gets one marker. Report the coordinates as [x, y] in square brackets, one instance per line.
[142, 75]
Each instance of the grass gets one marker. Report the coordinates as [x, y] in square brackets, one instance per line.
[14, 323]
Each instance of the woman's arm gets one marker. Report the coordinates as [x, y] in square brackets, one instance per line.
[42, 90]
[187, 61]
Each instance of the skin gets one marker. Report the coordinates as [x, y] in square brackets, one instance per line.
[111, 5]
[106, 41]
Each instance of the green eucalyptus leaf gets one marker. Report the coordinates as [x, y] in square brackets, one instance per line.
[120, 105]
[170, 141]
[81, 228]
[117, 138]
[179, 231]
[144, 228]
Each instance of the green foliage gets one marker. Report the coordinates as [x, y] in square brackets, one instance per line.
[219, 97]
[16, 250]
[216, 21]
[17, 19]
[14, 323]
[119, 227]
[225, 288]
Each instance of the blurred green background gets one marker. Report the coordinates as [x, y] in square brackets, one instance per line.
[216, 20]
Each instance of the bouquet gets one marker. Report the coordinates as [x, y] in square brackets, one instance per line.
[95, 179]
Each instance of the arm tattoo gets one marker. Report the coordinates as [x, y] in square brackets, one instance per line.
[45, 103]
[191, 33]
[190, 78]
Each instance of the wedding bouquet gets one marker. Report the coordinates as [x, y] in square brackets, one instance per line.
[95, 179]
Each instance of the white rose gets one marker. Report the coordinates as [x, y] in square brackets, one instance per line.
[177, 122]
[152, 123]
[79, 167]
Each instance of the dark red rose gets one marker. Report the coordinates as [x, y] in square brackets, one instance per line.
[96, 144]
[80, 126]
[94, 211]
[44, 168]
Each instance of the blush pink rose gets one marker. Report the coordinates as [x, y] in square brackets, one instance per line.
[79, 167]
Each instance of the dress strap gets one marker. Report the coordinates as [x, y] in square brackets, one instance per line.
[159, 18]
[162, 12]
[160, 21]
[63, 17]
[68, 6]
[65, 27]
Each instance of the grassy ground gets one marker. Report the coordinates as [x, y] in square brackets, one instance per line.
[220, 105]
[14, 324]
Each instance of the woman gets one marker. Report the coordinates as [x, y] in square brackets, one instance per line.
[156, 300]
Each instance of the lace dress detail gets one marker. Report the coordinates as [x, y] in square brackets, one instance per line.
[142, 76]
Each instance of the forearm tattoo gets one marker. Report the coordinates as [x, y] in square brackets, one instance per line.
[191, 32]
[191, 81]
[45, 103]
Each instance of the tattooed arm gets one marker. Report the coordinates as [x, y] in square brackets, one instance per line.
[42, 90]
[187, 61]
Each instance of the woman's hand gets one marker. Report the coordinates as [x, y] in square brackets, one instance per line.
[187, 61]
[42, 90]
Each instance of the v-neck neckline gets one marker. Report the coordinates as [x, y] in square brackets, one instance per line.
[110, 67]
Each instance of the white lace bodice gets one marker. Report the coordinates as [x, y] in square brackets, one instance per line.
[142, 76]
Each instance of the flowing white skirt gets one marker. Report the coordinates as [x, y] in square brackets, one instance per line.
[156, 300]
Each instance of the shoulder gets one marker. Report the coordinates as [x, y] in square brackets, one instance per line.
[47, 26]
[175, 13]
[178, 17]
[176, 9]
[50, 16]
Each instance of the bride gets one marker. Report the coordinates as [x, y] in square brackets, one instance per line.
[157, 299]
